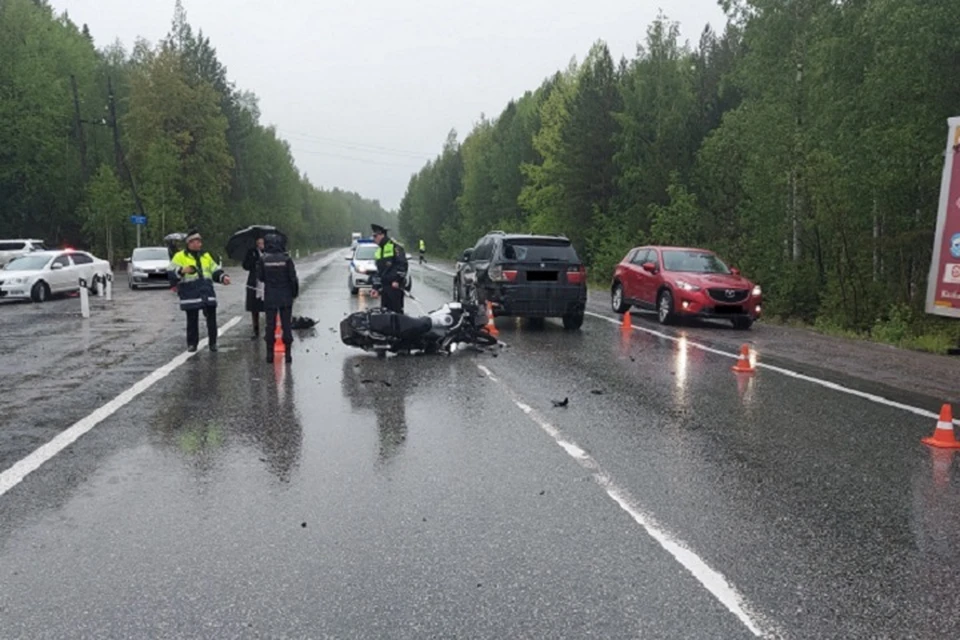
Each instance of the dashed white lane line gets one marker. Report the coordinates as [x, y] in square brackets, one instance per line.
[712, 580]
[14, 475]
[781, 370]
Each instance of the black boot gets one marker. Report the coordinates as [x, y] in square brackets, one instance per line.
[269, 356]
[287, 356]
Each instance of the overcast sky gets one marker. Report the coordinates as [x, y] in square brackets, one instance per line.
[365, 93]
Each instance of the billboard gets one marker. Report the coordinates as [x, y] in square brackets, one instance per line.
[943, 282]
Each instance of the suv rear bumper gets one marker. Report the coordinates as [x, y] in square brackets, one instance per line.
[537, 301]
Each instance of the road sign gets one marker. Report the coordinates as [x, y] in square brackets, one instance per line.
[943, 281]
[138, 220]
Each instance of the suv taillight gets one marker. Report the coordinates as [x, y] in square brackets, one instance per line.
[498, 274]
[576, 274]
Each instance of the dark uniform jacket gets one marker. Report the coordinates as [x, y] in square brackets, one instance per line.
[279, 276]
[391, 263]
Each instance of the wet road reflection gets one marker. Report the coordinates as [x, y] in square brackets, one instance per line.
[261, 413]
[370, 385]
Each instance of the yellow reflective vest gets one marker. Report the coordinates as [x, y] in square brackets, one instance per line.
[196, 289]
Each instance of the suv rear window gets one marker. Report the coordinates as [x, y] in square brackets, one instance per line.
[537, 250]
[12, 246]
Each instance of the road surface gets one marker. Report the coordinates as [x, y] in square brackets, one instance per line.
[344, 496]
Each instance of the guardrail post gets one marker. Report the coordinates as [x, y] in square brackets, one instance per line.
[109, 287]
[84, 299]
[98, 283]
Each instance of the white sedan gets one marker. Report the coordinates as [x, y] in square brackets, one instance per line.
[41, 274]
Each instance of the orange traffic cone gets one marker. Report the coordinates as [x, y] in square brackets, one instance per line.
[743, 362]
[943, 435]
[491, 328]
[626, 325]
[278, 346]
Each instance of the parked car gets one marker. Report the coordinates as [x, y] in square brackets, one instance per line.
[147, 266]
[522, 275]
[363, 267]
[677, 282]
[41, 274]
[10, 249]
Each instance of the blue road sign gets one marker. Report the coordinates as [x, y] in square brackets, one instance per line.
[141, 220]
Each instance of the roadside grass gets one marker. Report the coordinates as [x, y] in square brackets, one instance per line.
[900, 329]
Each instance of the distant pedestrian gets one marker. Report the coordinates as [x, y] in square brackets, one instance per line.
[423, 250]
[281, 287]
[195, 271]
[254, 297]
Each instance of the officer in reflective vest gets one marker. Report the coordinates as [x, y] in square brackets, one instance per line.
[391, 268]
[195, 271]
[423, 250]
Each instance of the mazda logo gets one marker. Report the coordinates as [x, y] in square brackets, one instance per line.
[731, 293]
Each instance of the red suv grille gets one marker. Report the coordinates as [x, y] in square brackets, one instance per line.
[729, 296]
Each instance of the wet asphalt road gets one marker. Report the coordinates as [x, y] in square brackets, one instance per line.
[348, 497]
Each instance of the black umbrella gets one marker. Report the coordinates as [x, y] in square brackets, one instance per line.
[245, 239]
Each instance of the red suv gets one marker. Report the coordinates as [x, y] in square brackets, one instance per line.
[675, 281]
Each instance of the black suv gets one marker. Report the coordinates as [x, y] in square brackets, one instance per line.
[524, 275]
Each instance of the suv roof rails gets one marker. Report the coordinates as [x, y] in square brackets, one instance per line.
[498, 232]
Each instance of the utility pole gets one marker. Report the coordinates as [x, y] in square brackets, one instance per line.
[78, 124]
[122, 168]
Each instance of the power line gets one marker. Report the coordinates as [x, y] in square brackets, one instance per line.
[358, 146]
[341, 156]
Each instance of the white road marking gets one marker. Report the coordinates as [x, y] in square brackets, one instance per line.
[712, 580]
[21, 469]
[15, 474]
[787, 372]
[487, 372]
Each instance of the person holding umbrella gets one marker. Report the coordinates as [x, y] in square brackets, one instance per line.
[247, 246]
[280, 287]
[172, 240]
[254, 297]
[195, 271]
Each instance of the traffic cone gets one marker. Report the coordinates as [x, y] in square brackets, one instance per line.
[491, 328]
[943, 436]
[278, 346]
[626, 325]
[743, 362]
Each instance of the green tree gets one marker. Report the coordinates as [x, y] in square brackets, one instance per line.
[105, 209]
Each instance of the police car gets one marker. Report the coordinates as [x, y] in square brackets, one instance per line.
[363, 267]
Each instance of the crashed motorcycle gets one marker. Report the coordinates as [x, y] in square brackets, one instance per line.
[450, 328]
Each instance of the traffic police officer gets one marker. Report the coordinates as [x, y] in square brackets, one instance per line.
[391, 268]
[196, 271]
[281, 286]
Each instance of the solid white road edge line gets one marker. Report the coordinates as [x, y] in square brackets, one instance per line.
[787, 372]
[21, 469]
[712, 580]
[760, 365]
[15, 474]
